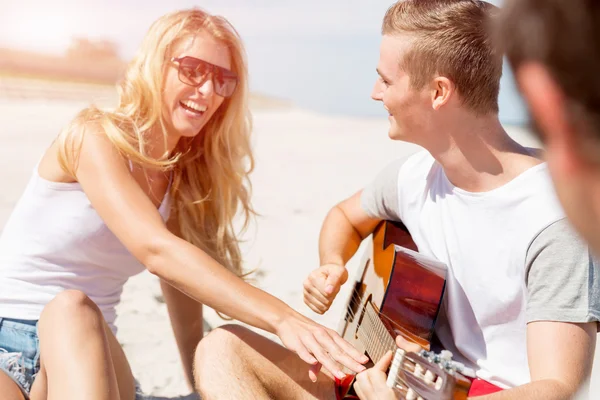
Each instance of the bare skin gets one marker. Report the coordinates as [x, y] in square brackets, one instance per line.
[243, 353]
[477, 155]
[97, 371]
[127, 202]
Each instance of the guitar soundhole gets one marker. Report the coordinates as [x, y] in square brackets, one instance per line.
[362, 314]
[354, 304]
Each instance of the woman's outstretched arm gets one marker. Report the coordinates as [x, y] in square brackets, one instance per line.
[130, 214]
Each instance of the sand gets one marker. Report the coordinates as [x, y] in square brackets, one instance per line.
[306, 162]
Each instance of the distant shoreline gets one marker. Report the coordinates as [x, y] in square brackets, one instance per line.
[32, 86]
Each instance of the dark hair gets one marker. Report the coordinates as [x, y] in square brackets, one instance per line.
[563, 36]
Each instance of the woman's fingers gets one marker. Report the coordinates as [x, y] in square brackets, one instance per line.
[318, 351]
[349, 349]
[313, 372]
[341, 352]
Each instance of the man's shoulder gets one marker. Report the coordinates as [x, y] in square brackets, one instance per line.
[421, 159]
[416, 166]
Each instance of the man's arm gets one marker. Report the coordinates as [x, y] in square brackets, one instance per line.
[344, 228]
[562, 314]
[560, 361]
[352, 220]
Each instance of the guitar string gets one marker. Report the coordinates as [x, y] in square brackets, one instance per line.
[372, 330]
[367, 334]
[408, 364]
[356, 298]
[376, 332]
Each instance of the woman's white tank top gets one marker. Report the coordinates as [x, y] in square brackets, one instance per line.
[55, 240]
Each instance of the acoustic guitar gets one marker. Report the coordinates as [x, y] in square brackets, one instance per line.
[399, 292]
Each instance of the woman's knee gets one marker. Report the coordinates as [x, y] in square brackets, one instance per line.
[8, 388]
[72, 307]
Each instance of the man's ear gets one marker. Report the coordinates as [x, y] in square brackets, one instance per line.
[442, 89]
[547, 104]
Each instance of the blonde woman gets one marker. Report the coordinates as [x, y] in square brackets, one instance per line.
[154, 184]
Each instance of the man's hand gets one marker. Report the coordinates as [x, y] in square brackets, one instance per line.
[371, 384]
[322, 285]
[407, 345]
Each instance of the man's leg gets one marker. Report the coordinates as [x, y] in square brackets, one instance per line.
[233, 362]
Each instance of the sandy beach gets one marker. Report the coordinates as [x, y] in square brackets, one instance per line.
[305, 163]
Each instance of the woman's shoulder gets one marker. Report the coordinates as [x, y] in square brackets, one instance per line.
[84, 135]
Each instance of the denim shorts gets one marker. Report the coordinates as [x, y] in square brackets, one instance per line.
[20, 351]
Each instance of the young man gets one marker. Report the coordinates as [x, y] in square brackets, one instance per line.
[521, 305]
[554, 48]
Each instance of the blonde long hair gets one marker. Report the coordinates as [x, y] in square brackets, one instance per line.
[211, 183]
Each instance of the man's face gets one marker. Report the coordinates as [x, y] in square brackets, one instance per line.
[408, 108]
[576, 176]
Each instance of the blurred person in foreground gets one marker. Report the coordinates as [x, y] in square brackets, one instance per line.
[554, 48]
[522, 303]
[154, 184]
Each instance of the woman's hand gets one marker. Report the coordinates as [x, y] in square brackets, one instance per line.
[318, 345]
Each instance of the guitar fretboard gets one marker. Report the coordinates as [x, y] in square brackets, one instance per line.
[374, 335]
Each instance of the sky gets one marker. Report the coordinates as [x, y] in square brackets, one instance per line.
[321, 54]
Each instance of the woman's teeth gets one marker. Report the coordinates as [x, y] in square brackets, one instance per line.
[194, 106]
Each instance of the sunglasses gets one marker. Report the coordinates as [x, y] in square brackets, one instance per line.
[194, 72]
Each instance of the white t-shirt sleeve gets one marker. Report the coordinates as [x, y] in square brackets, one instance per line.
[562, 277]
[379, 198]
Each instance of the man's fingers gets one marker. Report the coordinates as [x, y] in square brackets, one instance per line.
[384, 363]
[407, 345]
[317, 281]
[363, 386]
[336, 277]
[314, 292]
[332, 284]
[316, 307]
[315, 304]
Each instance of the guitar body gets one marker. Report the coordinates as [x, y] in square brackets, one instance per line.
[399, 293]
[405, 292]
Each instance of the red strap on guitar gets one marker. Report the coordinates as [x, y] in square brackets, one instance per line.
[479, 387]
[342, 386]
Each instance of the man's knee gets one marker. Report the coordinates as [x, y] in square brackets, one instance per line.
[219, 343]
[217, 353]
